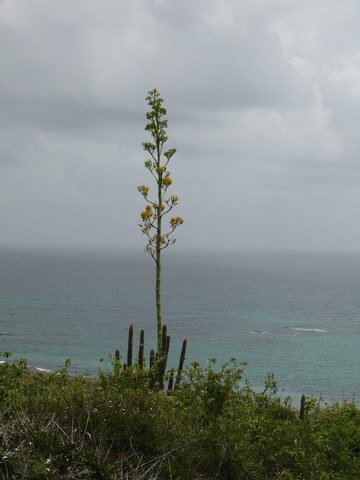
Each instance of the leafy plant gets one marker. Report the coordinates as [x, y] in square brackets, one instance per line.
[160, 205]
[214, 426]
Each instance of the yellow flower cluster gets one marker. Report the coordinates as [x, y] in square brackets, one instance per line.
[146, 214]
[176, 221]
[161, 169]
[167, 181]
[143, 189]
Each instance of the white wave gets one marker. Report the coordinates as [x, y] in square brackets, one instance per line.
[319, 330]
[45, 370]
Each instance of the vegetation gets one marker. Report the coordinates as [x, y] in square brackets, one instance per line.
[214, 426]
[125, 425]
[159, 206]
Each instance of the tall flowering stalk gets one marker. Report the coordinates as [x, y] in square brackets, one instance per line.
[162, 203]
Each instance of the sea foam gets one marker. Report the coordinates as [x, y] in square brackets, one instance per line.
[318, 330]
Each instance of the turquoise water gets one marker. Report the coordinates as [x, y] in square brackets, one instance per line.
[296, 315]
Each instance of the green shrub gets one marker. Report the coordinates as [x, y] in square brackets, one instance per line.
[214, 426]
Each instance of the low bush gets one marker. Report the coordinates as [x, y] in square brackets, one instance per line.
[214, 426]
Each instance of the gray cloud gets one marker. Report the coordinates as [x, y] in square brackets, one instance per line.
[262, 103]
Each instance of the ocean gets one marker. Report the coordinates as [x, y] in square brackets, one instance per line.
[296, 315]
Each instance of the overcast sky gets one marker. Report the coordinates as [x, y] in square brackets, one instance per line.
[263, 100]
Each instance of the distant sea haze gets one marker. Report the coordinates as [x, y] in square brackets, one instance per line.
[291, 314]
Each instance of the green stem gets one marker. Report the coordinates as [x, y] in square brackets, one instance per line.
[158, 253]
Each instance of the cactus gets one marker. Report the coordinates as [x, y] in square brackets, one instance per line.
[302, 407]
[152, 370]
[181, 363]
[152, 358]
[163, 361]
[170, 384]
[164, 340]
[166, 353]
[142, 336]
[130, 345]
[141, 349]
[141, 356]
[158, 360]
[157, 367]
